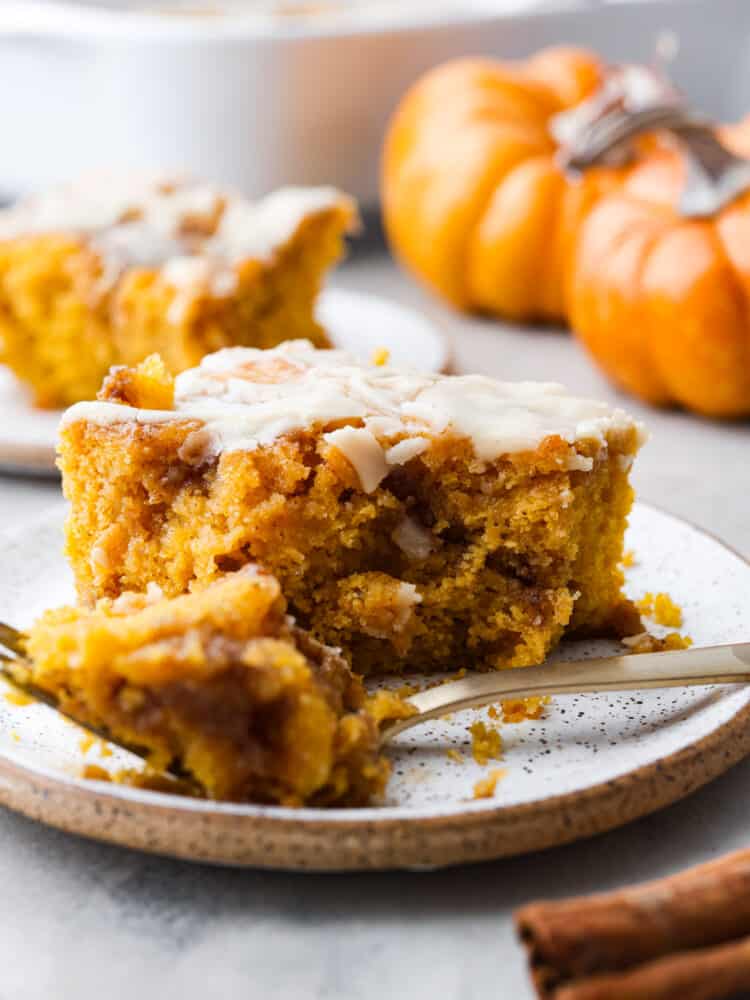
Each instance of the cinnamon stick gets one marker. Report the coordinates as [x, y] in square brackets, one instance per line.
[575, 938]
[707, 974]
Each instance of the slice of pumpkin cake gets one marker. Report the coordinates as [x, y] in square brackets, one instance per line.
[111, 269]
[414, 520]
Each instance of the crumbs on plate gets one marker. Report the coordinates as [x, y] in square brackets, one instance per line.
[486, 743]
[485, 787]
[16, 697]
[664, 612]
[521, 709]
[661, 608]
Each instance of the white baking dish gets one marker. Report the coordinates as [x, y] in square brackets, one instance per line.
[258, 102]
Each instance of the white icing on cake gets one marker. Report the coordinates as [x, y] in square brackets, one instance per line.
[195, 233]
[407, 598]
[413, 540]
[246, 398]
[406, 450]
[362, 449]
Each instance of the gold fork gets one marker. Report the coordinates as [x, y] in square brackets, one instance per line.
[727, 664]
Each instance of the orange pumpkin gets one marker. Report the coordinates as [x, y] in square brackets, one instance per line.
[663, 302]
[476, 206]
[473, 201]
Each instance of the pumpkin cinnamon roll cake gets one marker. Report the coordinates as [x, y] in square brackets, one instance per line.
[421, 521]
[111, 269]
[221, 685]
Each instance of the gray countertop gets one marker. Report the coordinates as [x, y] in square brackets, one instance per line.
[84, 920]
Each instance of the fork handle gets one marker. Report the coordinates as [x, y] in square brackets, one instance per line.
[684, 667]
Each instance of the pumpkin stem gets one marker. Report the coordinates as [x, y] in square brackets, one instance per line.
[715, 176]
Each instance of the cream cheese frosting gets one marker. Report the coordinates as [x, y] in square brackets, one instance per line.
[246, 398]
[195, 233]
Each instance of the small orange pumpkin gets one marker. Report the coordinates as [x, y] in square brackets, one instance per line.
[473, 201]
[663, 302]
[475, 205]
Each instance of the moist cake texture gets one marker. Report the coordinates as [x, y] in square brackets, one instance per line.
[421, 521]
[112, 269]
[220, 683]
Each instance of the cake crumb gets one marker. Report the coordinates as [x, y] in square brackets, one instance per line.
[521, 709]
[666, 612]
[149, 385]
[93, 772]
[485, 787]
[381, 356]
[86, 743]
[486, 744]
[628, 559]
[647, 643]
[661, 608]
[18, 698]
[455, 755]
[15, 736]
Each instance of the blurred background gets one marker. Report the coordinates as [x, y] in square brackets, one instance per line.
[259, 94]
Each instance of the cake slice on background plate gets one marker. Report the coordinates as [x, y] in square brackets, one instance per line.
[113, 268]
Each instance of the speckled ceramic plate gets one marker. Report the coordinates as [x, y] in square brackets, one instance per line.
[592, 763]
[357, 322]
